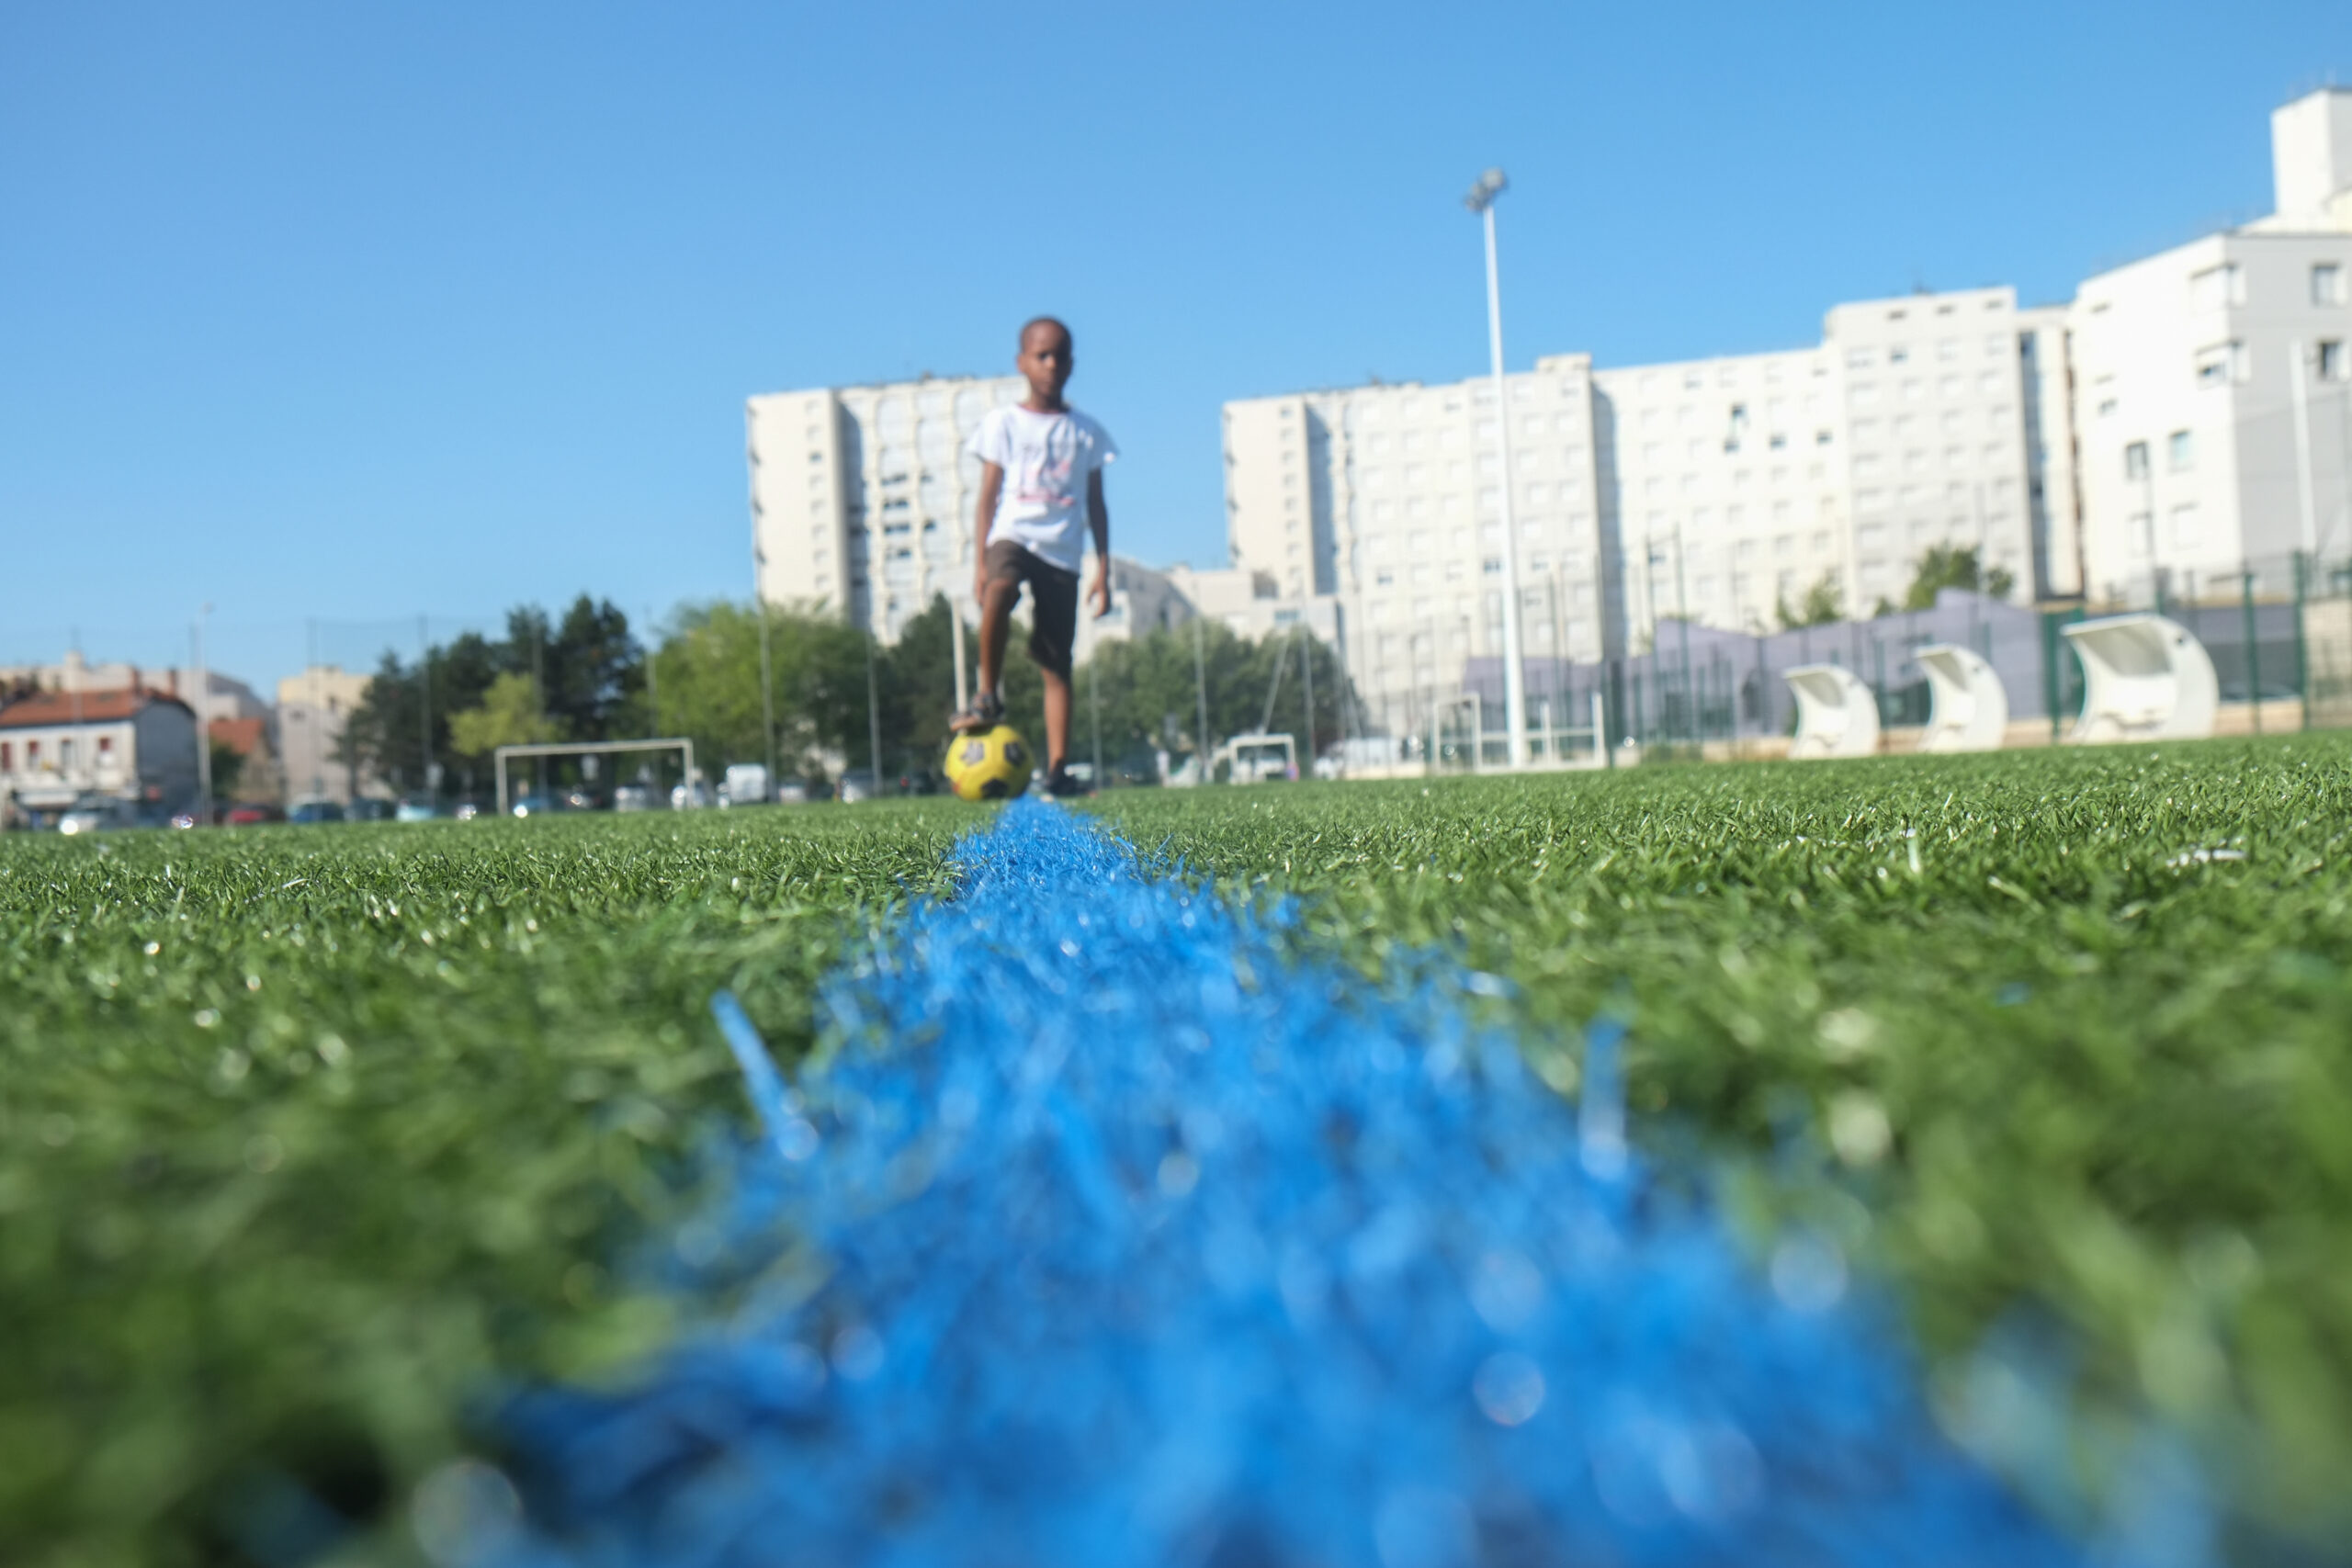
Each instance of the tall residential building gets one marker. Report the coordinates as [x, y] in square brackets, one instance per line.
[862, 497]
[2213, 387]
[1387, 501]
[1717, 488]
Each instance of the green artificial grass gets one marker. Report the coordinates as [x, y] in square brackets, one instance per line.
[308, 1134]
[374, 1121]
[2069, 1033]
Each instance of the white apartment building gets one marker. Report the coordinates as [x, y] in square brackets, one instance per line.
[2213, 387]
[1386, 502]
[862, 497]
[1716, 489]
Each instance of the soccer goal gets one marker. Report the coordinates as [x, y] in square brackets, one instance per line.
[685, 749]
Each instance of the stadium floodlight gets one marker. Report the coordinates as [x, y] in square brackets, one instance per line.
[1481, 201]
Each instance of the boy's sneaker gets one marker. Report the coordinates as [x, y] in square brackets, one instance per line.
[1060, 785]
[985, 713]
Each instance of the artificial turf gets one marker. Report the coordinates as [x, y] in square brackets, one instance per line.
[2060, 1039]
[307, 1134]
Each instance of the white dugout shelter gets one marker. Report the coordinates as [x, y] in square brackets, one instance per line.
[2145, 678]
[1837, 714]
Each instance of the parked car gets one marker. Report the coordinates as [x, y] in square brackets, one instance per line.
[368, 808]
[416, 809]
[792, 792]
[536, 804]
[632, 797]
[468, 810]
[689, 797]
[250, 814]
[853, 788]
[581, 800]
[746, 784]
[314, 809]
[93, 814]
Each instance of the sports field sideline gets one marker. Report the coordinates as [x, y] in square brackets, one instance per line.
[309, 1139]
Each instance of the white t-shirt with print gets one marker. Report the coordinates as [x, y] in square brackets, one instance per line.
[1046, 458]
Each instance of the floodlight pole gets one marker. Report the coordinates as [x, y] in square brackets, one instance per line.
[1481, 201]
[203, 724]
[873, 713]
[1201, 685]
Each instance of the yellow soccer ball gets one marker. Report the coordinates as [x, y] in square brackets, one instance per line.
[989, 764]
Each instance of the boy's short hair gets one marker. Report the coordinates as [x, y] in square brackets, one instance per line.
[1068, 336]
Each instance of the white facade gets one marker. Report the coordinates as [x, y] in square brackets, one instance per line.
[1933, 399]
[312, 710]
[2214, 389]
[58, 747]
[863, 497]
[1721, 489]
[1384, 501]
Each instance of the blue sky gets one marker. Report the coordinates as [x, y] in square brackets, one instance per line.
[353, 313]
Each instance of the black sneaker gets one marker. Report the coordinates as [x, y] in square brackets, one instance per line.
[1060, 785]
[985, 713]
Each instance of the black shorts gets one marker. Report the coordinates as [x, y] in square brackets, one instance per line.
[1053, 601]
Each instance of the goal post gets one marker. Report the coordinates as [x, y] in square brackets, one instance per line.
[588, 749]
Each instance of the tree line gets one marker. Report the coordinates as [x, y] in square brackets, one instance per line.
[590, 676]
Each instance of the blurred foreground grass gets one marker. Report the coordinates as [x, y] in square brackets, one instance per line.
[308, 1134]
[2076, 1027]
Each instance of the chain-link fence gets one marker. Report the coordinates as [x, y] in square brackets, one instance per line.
[2278, 632]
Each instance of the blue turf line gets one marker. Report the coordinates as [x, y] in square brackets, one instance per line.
[1115, 1234]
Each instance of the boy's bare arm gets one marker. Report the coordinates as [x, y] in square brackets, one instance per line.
[983, 516]
[1098, 518]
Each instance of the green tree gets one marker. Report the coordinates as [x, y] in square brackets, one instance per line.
[228, 768]
[509, 716]
[1824, 603]
[1954, 566]
[704, 683]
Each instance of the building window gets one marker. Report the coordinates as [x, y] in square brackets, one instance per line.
[2327, 283]
[2331, 362]
[2135, 460]
[7, 758]
[2184, 526]
[2216, 288]
[2180, 451]
[2221, 364]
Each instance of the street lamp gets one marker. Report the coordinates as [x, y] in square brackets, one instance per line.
[1481, 201]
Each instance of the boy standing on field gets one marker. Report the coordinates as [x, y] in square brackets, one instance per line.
[1034, 532]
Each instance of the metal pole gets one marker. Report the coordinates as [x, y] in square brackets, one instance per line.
[2253, 649]
[2302, 654]
[1200, 688]
[2301, 400]
[1094, 708]
[873, 711]
[1307, 679]
[203, 726]
[425, 697]
[962, 684]
[1682, 614]
[767, 684]
[1482, 201]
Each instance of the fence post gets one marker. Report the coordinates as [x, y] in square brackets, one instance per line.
[2303, 655]
[2049, 669]
[2253, 649]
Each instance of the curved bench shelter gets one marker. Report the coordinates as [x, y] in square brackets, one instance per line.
[2145, 678]
[1970, 708]
[1837, 714]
